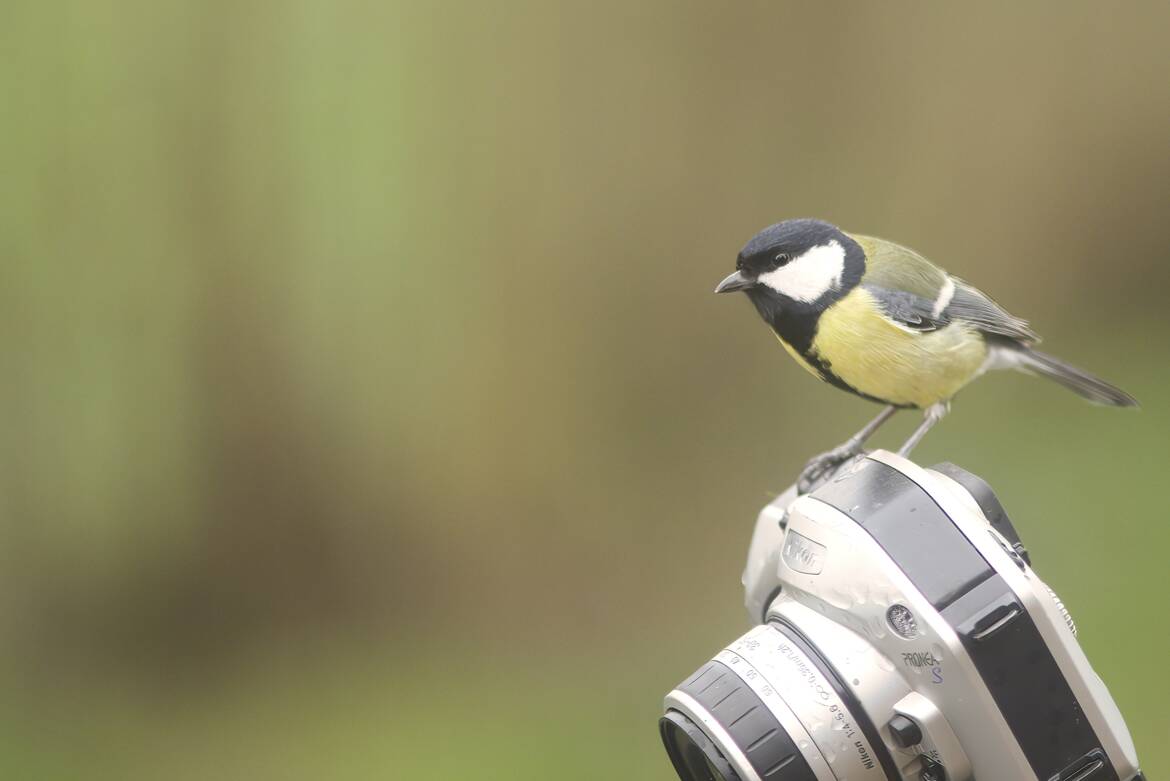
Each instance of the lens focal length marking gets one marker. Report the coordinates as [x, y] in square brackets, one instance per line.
[792, 678]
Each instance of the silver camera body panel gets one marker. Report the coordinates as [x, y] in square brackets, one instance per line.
[882, 661]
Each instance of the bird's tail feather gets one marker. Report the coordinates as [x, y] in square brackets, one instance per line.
[1076, 380]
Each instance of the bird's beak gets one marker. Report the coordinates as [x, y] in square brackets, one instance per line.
[733, 282]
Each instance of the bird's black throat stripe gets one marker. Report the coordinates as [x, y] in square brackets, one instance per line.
[798, 329]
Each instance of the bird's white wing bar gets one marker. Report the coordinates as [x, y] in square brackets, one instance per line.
[944, 298]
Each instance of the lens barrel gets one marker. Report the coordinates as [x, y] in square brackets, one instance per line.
[717, 727]
[772, 707]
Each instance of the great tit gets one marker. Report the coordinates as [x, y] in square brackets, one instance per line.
[879, 320]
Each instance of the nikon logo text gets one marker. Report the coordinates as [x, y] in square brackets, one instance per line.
[803, 555]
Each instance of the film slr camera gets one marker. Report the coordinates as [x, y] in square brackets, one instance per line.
[904, 635]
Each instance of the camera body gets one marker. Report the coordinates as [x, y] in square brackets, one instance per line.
[904, 635]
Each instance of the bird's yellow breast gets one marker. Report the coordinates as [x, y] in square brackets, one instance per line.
[881, 359]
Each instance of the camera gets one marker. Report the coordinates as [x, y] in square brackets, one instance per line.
[903, 635]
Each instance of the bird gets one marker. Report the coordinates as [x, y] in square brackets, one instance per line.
[879, 320]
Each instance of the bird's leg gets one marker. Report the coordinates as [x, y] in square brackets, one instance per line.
[821, 466]
[934, 413]
[852, 446]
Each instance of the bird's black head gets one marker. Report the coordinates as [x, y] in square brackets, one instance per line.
[796, 264]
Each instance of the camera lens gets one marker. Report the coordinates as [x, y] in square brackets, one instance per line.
[771, 706]
[694, 756]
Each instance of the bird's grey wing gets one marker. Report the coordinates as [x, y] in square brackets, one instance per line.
[920, 296]
[975, 307]
[954, 301]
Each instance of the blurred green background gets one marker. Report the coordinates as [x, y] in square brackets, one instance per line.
[366, 409]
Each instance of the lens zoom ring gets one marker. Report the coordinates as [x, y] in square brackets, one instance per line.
[751, 725]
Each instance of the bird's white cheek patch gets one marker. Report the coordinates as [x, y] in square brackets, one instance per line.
[809, 276]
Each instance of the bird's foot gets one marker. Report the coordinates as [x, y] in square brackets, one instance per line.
[821, 468]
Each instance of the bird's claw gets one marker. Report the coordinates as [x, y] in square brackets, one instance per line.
[821, 468]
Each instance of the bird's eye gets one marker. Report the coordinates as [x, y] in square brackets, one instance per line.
[782, 258]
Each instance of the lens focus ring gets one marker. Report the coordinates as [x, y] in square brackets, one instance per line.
[748, 721]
